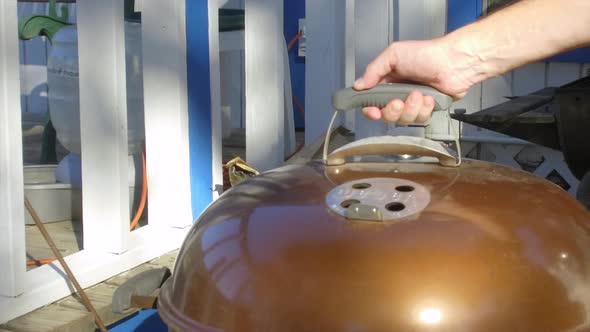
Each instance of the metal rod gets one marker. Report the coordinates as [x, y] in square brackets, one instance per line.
[65, 266]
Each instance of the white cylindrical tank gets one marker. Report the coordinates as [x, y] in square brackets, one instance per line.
[63, 92]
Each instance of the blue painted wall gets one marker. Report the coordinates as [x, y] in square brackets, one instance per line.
[462, 12]
[199, 104]
[293, 11]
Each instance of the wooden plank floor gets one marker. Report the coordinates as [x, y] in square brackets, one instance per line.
[67, 236]
[70, 315]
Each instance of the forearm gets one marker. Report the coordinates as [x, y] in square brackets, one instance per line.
[525, 32]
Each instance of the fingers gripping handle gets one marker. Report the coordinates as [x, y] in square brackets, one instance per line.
[382, 94]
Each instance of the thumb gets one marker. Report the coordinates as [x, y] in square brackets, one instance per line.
[376, 70]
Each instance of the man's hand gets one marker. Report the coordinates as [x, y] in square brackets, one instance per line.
[522, 33]
[420, 62]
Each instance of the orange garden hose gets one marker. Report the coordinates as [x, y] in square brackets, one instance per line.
[134, 221]
[40, 261]
[294, 40]
[143, 194]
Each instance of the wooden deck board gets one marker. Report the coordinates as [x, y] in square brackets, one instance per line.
[67, 235]
[70, 315]
[52, 318]
[101, 297]
[123, 277]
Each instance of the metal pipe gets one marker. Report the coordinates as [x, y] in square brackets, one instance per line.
[65, 266]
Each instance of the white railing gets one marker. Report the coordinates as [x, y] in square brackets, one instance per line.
[12, 225]
[109, 245]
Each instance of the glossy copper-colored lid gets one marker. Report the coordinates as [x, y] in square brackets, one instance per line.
[495, 249]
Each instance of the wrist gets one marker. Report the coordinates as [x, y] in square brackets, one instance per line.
[469, 59]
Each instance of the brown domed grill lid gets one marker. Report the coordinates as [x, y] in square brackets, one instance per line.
[481, 247]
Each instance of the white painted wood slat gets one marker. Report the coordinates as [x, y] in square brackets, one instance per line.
[528, 79]
[324, 63]
[289, 122]
[231, 83]
[264, 83]
[215, 84]
[166, 112]
[349, 55]
[560, 73]
[12, 221]
[103, 125]
[372, 30]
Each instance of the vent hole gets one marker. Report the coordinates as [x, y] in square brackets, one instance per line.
[395, 207]
[361, 185]
[404, 189]
[347, 203]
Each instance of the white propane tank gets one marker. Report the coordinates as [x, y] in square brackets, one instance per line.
[64, 96]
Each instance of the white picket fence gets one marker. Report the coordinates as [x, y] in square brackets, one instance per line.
[109, 246]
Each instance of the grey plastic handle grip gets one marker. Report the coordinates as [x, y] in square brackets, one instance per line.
[379, 96]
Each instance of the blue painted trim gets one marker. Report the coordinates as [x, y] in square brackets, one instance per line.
[581, 55]
[463, 12]
[199, 104]
[142, 321]
[293, 10]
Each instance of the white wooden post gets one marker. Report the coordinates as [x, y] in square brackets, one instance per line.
[425, 19]
[373, 34]
[560, 73]
[215, 86]
[289, 123]
[103, 125]
[349, 55]
[264, 83]
[231, 46]
[166, 114]
[12, 218]
[232, 78]
[528, 79]
[324, 64]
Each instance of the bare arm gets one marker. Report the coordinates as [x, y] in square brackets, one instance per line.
[525, 32]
